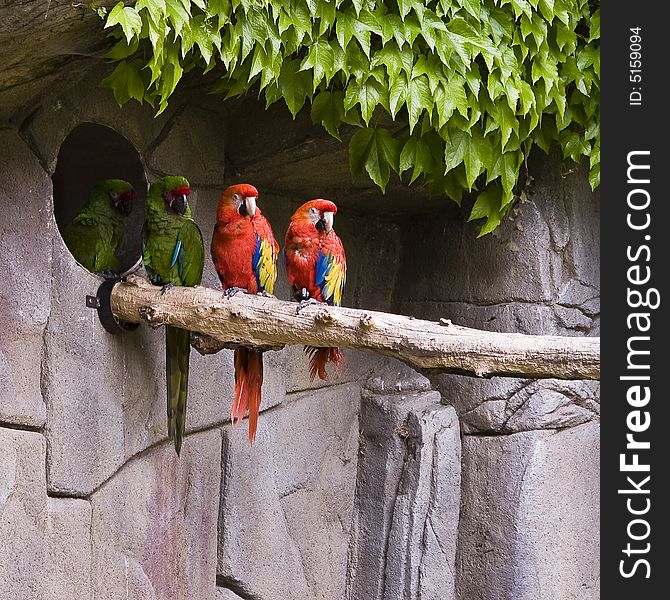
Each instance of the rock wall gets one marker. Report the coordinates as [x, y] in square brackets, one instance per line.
[529, 521]
[378, 484]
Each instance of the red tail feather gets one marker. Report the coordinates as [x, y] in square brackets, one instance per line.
[248, 384]
[319, 358]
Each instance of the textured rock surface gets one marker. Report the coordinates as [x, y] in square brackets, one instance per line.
[529, 516]
[46, 549]
[530, 276]
[154, 524]
[506, 405]
[287, 501]
[60, 34]
[408, 491]
[25, 259]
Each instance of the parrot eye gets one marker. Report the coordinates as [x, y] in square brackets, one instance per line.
[237, 198]
[114, 195]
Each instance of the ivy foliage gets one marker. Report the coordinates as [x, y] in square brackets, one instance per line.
[453, 93]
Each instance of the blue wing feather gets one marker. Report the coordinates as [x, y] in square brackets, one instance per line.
[256, 260]
[323, 265]
[175, 254]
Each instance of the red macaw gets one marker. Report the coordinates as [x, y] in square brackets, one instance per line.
[244, 252]
[316, 268]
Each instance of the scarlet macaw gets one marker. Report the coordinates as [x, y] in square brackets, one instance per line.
[244, 252]
[316, 268]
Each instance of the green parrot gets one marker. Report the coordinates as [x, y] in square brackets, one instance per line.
[96, 230]
[173, 254]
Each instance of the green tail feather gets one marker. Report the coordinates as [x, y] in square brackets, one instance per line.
[177, 351]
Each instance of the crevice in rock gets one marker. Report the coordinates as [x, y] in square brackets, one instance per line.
[388, 526]
[21, 427]
[29, 140]
[163, 134]
[143, 452]
[65, 494]
[236, 586]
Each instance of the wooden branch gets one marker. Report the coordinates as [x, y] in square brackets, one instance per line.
[268, 323]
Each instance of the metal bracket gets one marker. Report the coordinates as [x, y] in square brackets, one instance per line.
[102, 303]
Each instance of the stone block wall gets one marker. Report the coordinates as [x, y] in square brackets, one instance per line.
[527, 530]
[378, 484]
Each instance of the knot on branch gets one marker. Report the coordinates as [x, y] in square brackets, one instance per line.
[239, 314]
[153, 316]
[367, 322]
[324, 317]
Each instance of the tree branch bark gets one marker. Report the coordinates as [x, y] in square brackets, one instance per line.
[268, 323]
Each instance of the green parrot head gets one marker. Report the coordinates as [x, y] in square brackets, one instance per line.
[119, 193]
[171, 194]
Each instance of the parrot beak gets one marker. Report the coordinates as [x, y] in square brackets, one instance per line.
[178, 204]
[328, 221]
[250, 203]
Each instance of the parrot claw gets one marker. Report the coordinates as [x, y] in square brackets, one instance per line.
[266, 294]
[231, 291]
[304, 303]
[166, 287]
[301, 295]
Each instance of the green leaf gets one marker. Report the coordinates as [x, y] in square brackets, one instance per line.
[487, 206]
[295, 85]
[321, 59]
[347, 27]
[126, 82]
[376, 151]
[594, 26]
[521, 7]
[450, 98]
[394, 59]
[546, 69]
[404, 6]
[368, 94]
[128, 18]
[417, 155]
[328, 110]
[506, 166]
[123, 49]
[178, 12]
[418, 99]
[478, 156]
[397, 93]
[547, 9]
[153, 7]
[455, 149]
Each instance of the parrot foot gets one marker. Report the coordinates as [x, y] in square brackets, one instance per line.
[107, 274]
[304, 303]
[166, 287]
[231, 291]
[301, 294]
[266, 295]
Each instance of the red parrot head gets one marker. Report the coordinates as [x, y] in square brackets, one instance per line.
[242, 197]
[319, 213]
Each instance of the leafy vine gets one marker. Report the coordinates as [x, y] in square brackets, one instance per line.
[453, 92]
